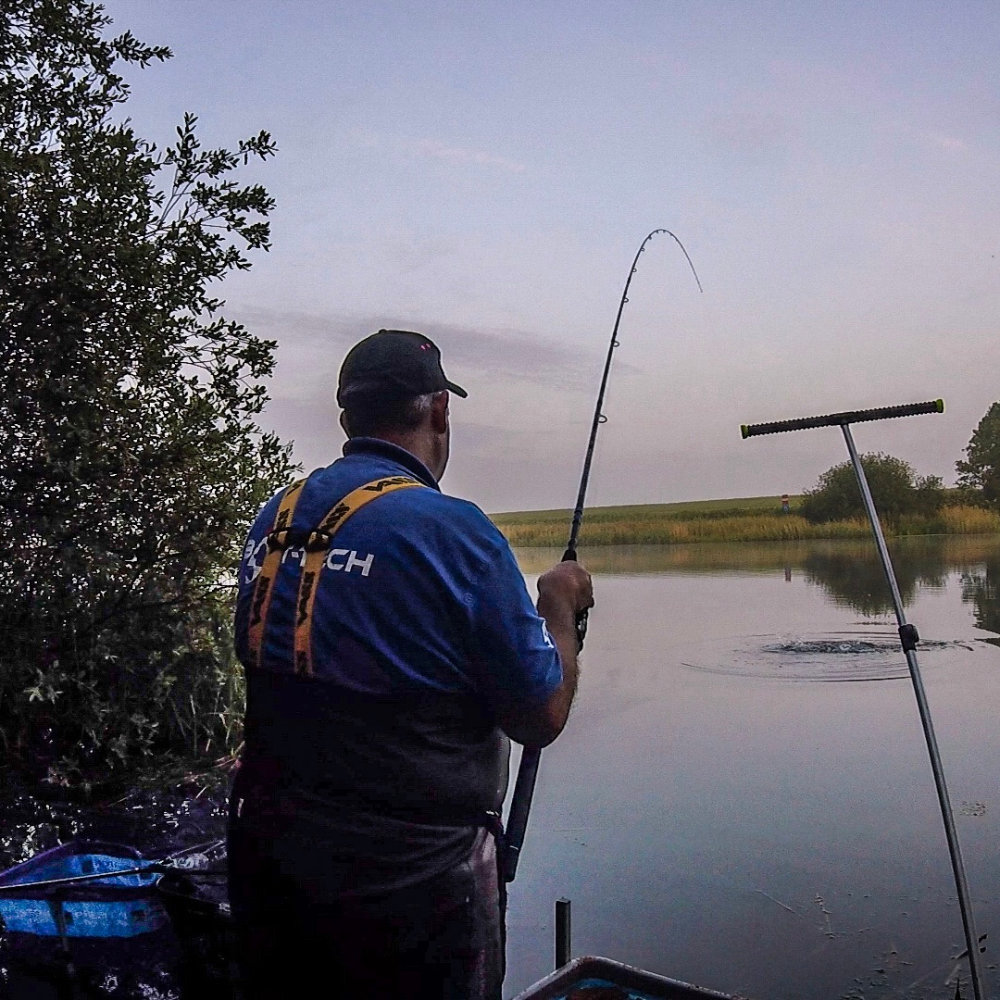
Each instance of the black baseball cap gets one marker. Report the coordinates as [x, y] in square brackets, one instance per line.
[406, 362]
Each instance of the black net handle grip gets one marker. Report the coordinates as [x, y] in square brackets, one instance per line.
[839, 419]
[581, 616]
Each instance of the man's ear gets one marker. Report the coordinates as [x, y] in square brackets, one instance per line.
[439, 412]
[343, 422]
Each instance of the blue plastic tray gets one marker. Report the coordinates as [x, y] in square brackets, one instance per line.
[114, 907]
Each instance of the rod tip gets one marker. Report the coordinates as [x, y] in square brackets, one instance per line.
[939, 404]
[744, 431]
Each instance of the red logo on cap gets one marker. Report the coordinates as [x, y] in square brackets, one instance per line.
[425, 347]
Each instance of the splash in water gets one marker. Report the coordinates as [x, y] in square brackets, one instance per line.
[825, 657]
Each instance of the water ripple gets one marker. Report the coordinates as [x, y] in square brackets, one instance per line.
[825, 657]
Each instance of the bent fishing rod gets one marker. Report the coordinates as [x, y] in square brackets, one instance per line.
[908, 637]
[527, 772]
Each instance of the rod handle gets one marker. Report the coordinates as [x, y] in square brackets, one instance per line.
[520, 807]
[581, 616]
[839, 419]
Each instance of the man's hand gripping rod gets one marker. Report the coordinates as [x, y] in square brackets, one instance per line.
[524, 787]
[907, 635]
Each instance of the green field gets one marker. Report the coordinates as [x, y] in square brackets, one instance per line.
[659, 511]
[741, 519]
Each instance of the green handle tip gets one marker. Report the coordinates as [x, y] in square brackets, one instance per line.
[940, 405]
[744, 431]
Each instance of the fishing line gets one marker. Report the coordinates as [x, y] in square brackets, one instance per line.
[155, 867]
[908, 636]
[520, 805]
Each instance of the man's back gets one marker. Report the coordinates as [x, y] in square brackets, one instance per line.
[388, 750]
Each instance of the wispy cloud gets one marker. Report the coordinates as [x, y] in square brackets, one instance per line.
[521, 377]
[943, 141]
[748, 130]
[312, 345]
[435, 149]
[460, 154]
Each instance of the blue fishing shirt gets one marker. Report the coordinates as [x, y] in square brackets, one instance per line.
[419, 591]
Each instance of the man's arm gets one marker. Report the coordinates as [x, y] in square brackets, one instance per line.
[562, 592]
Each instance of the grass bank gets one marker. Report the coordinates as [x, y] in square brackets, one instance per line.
[745, 519]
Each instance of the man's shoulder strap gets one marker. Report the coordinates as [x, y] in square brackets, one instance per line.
[263, 588]
[315, 542]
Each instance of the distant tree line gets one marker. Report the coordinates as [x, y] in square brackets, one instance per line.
[899, 492]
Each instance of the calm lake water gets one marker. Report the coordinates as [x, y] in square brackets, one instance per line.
[743, 797]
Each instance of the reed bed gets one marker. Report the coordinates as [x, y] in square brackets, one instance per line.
[963, 520]
[670, 524]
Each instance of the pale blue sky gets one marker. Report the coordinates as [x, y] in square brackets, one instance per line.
[485, 172]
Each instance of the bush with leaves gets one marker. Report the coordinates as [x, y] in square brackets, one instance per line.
[979, 474]
[131, 460]
[896, 490]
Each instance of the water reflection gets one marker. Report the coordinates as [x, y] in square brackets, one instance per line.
[981, 589]
[856, 580]
[849, 571]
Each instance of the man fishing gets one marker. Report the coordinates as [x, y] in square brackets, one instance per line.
[391, 651]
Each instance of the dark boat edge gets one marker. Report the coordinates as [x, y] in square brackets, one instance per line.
[558, 983]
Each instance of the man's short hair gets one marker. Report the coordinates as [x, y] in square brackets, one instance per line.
[369, 410]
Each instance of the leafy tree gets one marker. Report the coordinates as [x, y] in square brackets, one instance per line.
[981, 471]
[130, 457]
[895, 489]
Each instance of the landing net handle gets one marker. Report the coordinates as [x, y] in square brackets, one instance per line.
[840, 419]
[908, 638]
